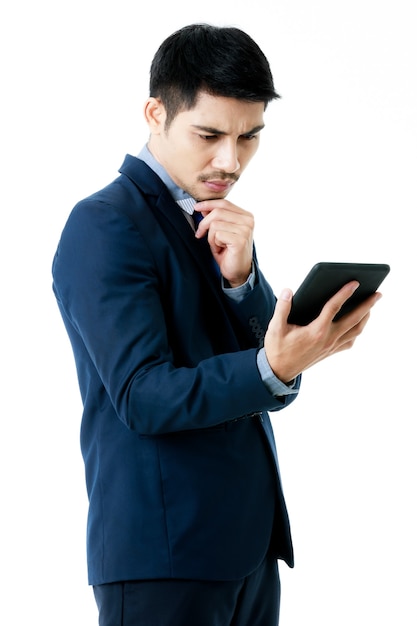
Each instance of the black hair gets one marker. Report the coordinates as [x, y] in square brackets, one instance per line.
[219, 60]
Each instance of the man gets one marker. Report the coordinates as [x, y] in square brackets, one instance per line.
[181, 350]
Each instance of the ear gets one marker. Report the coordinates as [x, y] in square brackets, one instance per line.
[155, 115]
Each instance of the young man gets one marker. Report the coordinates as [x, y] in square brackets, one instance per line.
[181, 350]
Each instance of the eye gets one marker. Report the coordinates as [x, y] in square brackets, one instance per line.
[249, 137]
[208, 137]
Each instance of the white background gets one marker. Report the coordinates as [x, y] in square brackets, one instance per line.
[335, 179]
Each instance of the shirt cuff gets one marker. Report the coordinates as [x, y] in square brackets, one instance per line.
[239, 293]
[275, 386]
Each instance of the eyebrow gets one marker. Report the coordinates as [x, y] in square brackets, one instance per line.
[216, 131]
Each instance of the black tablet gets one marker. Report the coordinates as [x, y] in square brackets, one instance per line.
[325, 279]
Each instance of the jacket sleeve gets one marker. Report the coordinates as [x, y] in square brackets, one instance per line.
[111, 298]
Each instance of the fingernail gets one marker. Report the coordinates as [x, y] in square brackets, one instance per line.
[286, 294]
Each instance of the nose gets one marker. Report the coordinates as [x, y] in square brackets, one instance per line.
[226, 157]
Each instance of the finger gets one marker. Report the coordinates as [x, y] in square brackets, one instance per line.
[219, 203]
[347, 339]
[230, 234]
[225, 210]
[283, 306]
[223, 229]
[335, 303]
[359, 313]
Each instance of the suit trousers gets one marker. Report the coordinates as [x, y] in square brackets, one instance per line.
[252, 601]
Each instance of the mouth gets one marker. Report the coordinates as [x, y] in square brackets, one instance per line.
[219, 182]
[218, 186]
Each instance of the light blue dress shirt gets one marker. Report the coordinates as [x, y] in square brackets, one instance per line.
[275, 386]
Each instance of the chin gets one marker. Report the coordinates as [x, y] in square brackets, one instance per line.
[211, 196]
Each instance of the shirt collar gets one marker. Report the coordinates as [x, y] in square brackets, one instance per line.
[176, 192]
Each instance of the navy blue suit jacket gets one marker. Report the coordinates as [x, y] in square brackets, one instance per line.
[180, 460]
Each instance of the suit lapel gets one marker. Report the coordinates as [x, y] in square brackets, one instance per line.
[170, 217]
[199, 248]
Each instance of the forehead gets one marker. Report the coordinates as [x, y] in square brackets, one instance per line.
[226, 115]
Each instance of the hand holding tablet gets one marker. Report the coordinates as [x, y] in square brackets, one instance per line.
[325, 279]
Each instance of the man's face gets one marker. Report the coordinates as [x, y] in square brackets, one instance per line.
[205, 149]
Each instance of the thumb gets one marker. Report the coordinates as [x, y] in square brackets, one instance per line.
[283, 306]
[278, 323]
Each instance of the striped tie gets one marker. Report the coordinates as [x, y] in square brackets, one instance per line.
[187, 205]
[195, 217]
